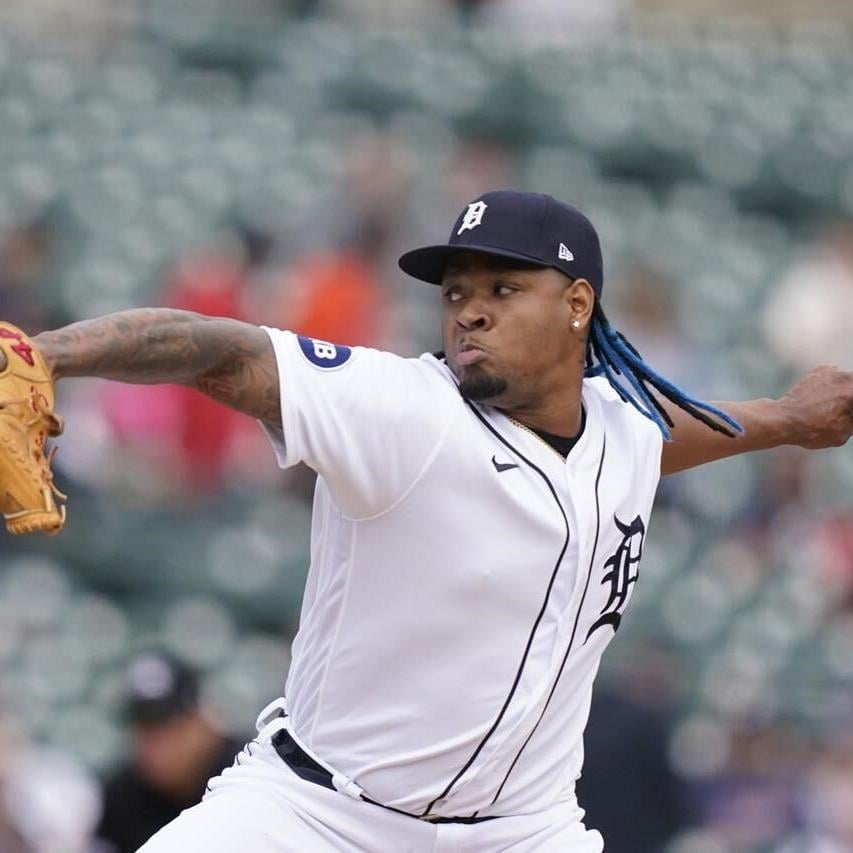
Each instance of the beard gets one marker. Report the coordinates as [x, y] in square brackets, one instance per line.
[482, 386]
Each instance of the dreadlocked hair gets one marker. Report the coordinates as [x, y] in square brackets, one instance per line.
[609, 354]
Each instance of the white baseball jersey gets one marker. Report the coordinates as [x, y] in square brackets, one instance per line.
[464, 581]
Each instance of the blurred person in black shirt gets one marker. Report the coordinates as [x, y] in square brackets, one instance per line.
[176, 749]
[28, 256]
[628, 788]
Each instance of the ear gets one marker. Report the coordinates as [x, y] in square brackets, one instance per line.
[580, 298]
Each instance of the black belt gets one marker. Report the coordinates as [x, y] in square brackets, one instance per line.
[306, 768]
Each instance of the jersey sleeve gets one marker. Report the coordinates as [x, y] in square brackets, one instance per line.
[367, 421]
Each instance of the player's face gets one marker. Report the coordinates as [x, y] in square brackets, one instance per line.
[507, 330]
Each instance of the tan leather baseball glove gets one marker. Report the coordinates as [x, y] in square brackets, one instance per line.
[28, 496]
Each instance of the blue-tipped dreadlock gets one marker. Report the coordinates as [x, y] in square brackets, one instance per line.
[610, 354]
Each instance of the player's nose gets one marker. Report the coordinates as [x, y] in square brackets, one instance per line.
[474, 315]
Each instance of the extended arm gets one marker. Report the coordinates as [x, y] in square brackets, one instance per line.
[230, 361]
[816, 413]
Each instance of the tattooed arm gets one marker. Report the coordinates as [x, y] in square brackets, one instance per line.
[230, 361]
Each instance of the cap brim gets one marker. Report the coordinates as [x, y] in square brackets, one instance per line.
[428, 264]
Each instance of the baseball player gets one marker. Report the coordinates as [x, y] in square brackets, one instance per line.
[478, 525]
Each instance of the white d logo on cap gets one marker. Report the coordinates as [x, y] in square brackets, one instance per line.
[473, 216]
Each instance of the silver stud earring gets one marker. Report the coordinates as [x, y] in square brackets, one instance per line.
[576, 324]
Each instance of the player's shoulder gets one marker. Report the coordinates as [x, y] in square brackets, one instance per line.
[603, 392]
[427, 374]
[428, 370]
[318, 359]
[616, 413]
[436, 367]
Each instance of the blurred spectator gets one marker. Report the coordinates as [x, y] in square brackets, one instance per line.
[468, 8]
[808, 842]
[176, 749]
[550, 18]
[338, 295]
[628, 790]
[210, 283]
[780, 492]
[388, 12]
[301, 7]
[808, 319]
[85, 25]
[335, 296]
[835, 547]
[478, 164]
[645, 304]
[338, 292]
[753, 803]
[828, 793]
[11, 840]
[48, 801]
[181, 439]
[26, 257]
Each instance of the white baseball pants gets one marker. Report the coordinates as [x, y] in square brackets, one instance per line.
[259, 805]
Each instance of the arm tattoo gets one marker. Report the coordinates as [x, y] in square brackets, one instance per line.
[230, 361]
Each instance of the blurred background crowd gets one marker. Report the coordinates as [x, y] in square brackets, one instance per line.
[268, 160]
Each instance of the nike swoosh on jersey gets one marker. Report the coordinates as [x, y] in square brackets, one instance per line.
[500, 467]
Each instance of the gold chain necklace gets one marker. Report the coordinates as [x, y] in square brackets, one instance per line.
[536, 435]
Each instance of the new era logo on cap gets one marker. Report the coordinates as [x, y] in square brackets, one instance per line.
[532, 228]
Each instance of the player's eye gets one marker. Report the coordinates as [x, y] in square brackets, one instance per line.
[504, 289]
[452, 294]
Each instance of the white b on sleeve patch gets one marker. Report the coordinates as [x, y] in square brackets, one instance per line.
[324, 354]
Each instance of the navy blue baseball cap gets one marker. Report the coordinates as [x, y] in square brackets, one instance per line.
[159, 687]
[529, 227]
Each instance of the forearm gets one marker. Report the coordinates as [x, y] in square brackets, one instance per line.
[815, 413]
[145, 345]
[228, 360]
[766, 424]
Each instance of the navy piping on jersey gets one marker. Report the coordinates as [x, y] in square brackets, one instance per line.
[535, 627]
[574, 627]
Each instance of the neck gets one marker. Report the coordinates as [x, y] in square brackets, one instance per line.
[562, 418]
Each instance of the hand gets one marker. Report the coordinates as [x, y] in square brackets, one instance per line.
[819, 408]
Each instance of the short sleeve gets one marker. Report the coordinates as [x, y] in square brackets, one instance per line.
[367, 421]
